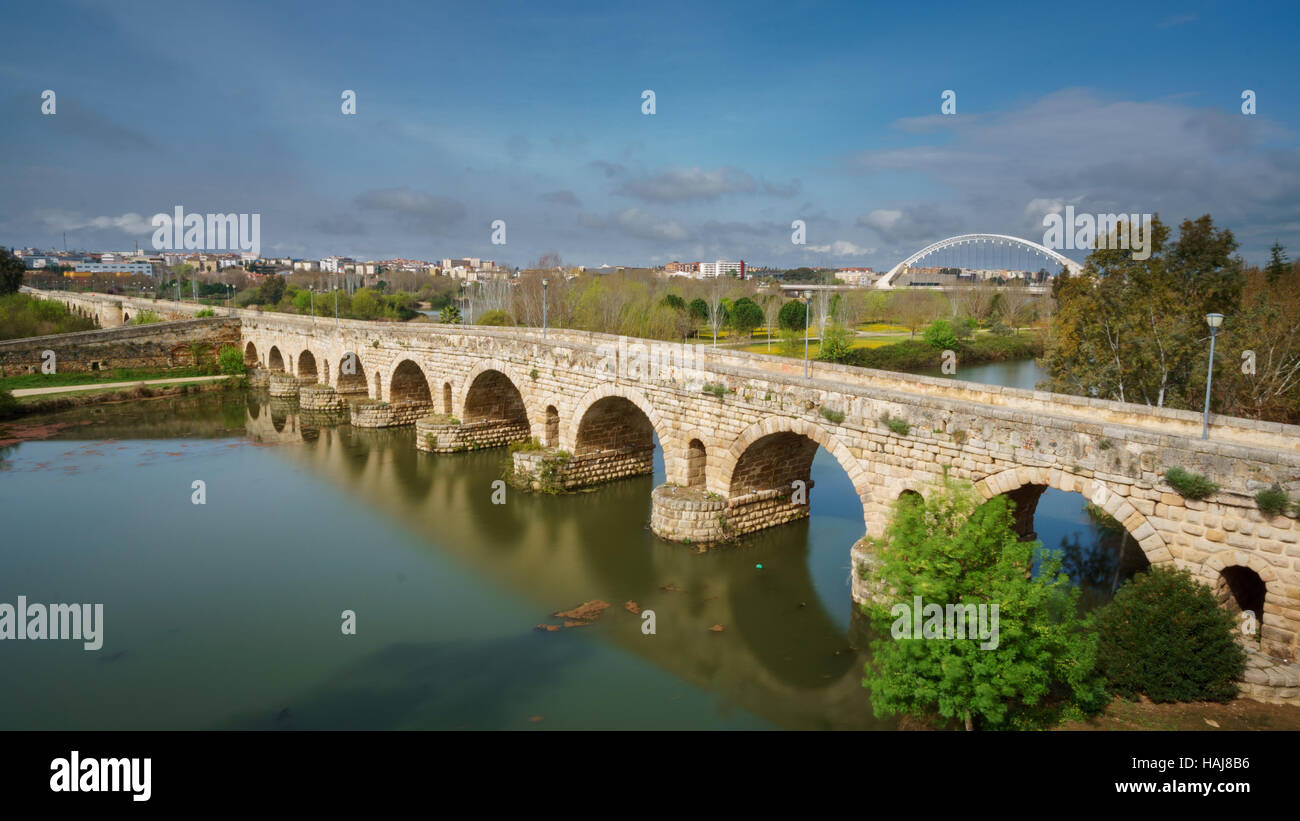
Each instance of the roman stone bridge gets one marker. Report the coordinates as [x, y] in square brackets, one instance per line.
[738, 433]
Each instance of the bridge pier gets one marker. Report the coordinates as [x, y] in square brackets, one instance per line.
[370, 413]
[286, 386]
[694, 515]
[443, 433]
[556, 470]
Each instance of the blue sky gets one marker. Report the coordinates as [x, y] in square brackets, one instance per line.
[531, 113]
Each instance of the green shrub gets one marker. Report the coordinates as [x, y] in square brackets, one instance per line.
[526, 444]
[230, 361]
[1190, 485]
[716, 388]
[832, 415]
[145, 318]
[1272, 501]
[1165, 636]
[899, 426]
[495, 318]
[835, 345]
[940, 335]
[205, 312]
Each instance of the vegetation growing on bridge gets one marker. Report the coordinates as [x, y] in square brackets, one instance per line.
[1190, 485]
[895, 424]
[1272, 501]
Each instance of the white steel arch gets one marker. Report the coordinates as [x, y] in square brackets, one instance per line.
[1070, 265]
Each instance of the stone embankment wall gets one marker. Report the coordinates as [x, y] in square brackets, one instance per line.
[155, 346]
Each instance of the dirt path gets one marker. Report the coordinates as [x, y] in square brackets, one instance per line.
[94, 386]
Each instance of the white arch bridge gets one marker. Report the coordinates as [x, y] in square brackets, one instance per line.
[981, 243]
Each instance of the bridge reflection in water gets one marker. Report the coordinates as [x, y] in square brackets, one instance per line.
[785, 654]
[781, 654]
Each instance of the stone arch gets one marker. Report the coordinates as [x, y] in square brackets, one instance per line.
[407, 383]
[492, 396]
[569, 436]
[697, 461]
[1143, 532]
[729, 459]
[1229, 563]
[1240, 589]
[462, 393]
[351, 376]
[307, 365]
[275, 360]
[250, 355]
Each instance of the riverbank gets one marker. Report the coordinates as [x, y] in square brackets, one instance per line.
[25, 403]
[917, 354]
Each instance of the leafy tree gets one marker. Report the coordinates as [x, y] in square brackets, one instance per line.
[11, 272]
[673, 301]
[793, 315]
[449, 315]
[1278, 266]
[230, 360]
[1263, 332]
[1134, 330]
[495, 317]
[366, 304]
[940, 335]
[700, 309]
[271, 291]
[746, 315]
[1164, 635]
[835, 344]
[950, 548]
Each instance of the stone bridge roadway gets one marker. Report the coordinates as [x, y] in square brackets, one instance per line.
[739, 431]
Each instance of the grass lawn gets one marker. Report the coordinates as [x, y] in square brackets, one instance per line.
[58, 380]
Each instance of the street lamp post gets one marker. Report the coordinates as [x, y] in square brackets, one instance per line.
[336, 304]
[1214, 321]
[311, 289]
[807, 329]
[544, 283]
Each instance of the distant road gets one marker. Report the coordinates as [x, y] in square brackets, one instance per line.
[95, 386]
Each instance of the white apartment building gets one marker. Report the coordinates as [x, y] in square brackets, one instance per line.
[719, 268]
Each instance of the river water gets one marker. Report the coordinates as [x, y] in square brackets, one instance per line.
[228, 614]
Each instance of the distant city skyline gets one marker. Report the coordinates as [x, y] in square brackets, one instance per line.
[468, 114]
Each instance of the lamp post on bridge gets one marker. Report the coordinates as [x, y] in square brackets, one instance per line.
[311, 289]
[544, 283]
[336, 304]
[807, 328]
[1214, 321]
